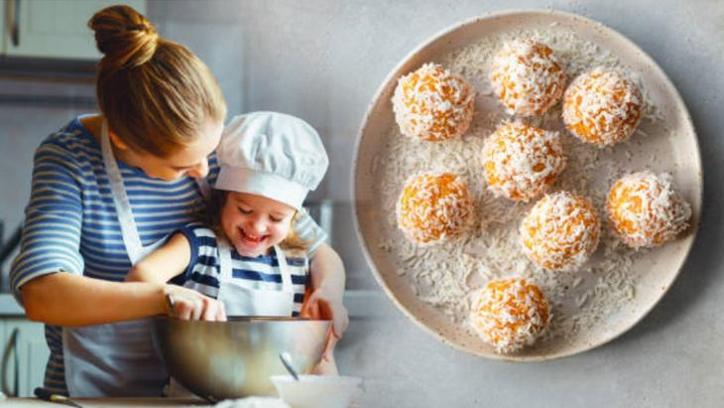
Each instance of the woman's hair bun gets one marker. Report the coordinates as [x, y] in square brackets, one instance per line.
[124, 36]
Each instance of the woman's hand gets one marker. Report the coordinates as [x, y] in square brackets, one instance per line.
[325, 301]
[327, 286]
[187, 304]
[325, 304]
[327, 364]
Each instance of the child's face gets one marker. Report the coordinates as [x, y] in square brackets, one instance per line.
[253, 223]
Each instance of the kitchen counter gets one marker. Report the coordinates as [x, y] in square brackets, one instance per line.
[108, 403]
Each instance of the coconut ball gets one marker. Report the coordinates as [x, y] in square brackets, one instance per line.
[434, 207]
[645, 211]
[602, 107]
[521, 162]
[527, 77]
[433, 104]
[510, 314]
[560, 232]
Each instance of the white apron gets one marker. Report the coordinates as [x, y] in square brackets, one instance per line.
[241, 301]
[94, 369]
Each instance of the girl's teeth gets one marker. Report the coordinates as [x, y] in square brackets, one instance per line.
[250, 238]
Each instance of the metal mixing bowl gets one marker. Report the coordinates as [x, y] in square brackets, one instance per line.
[234, 359]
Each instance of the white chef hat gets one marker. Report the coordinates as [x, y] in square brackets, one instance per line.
[273, 155]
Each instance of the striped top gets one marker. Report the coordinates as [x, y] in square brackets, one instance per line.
[260, 272]
[71, 223]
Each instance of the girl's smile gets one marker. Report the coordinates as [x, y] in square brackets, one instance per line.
[253, 224]
[251, 241]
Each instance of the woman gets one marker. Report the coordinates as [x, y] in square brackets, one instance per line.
[107, 190]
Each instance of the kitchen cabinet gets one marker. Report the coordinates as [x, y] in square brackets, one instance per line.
[55, 29]
[24, 356]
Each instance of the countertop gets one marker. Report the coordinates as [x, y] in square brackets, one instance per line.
[108, 402]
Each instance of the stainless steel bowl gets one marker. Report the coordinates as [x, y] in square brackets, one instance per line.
[234, 359]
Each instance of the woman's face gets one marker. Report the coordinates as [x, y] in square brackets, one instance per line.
[253, 223]
[191, 160]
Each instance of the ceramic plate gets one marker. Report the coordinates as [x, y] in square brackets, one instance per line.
[667, 143]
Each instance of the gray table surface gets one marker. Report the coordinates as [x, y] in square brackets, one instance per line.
[674, 357]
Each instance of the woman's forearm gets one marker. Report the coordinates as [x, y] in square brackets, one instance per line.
[327, 270]
[66, 299]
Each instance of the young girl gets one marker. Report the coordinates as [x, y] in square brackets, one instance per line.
[249, 256]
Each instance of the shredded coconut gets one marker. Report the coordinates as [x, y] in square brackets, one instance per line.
[433, 104]
[521, 162]
[527, 77]
[602, 107]
[434, 207]
[560, 232]
[510, 314]
[645, 210]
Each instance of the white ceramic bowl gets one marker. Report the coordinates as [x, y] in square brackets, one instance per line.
[318, 391]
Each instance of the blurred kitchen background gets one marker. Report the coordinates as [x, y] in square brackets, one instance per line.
[323, 60]
[266, 58]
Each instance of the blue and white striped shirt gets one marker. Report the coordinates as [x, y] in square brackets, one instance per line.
[260, 272]
[71, 223]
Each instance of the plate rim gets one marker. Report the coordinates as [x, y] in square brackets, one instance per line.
[678, 100]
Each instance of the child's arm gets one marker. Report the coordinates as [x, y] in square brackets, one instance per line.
[161, 265]
[327, 282]
[171, 260]
[145, 297]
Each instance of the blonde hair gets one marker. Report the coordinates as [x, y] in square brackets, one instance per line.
[156, 94]
[211, 216]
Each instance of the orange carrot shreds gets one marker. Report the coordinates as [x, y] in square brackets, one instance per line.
[560, 232]
[510, 314]
[434, 207]
[602, 107]
[521, 162]
[527, 77]
[433, 104]
[645, 211]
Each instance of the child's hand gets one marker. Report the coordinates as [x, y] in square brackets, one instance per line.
[187, 304]
[324, 305]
